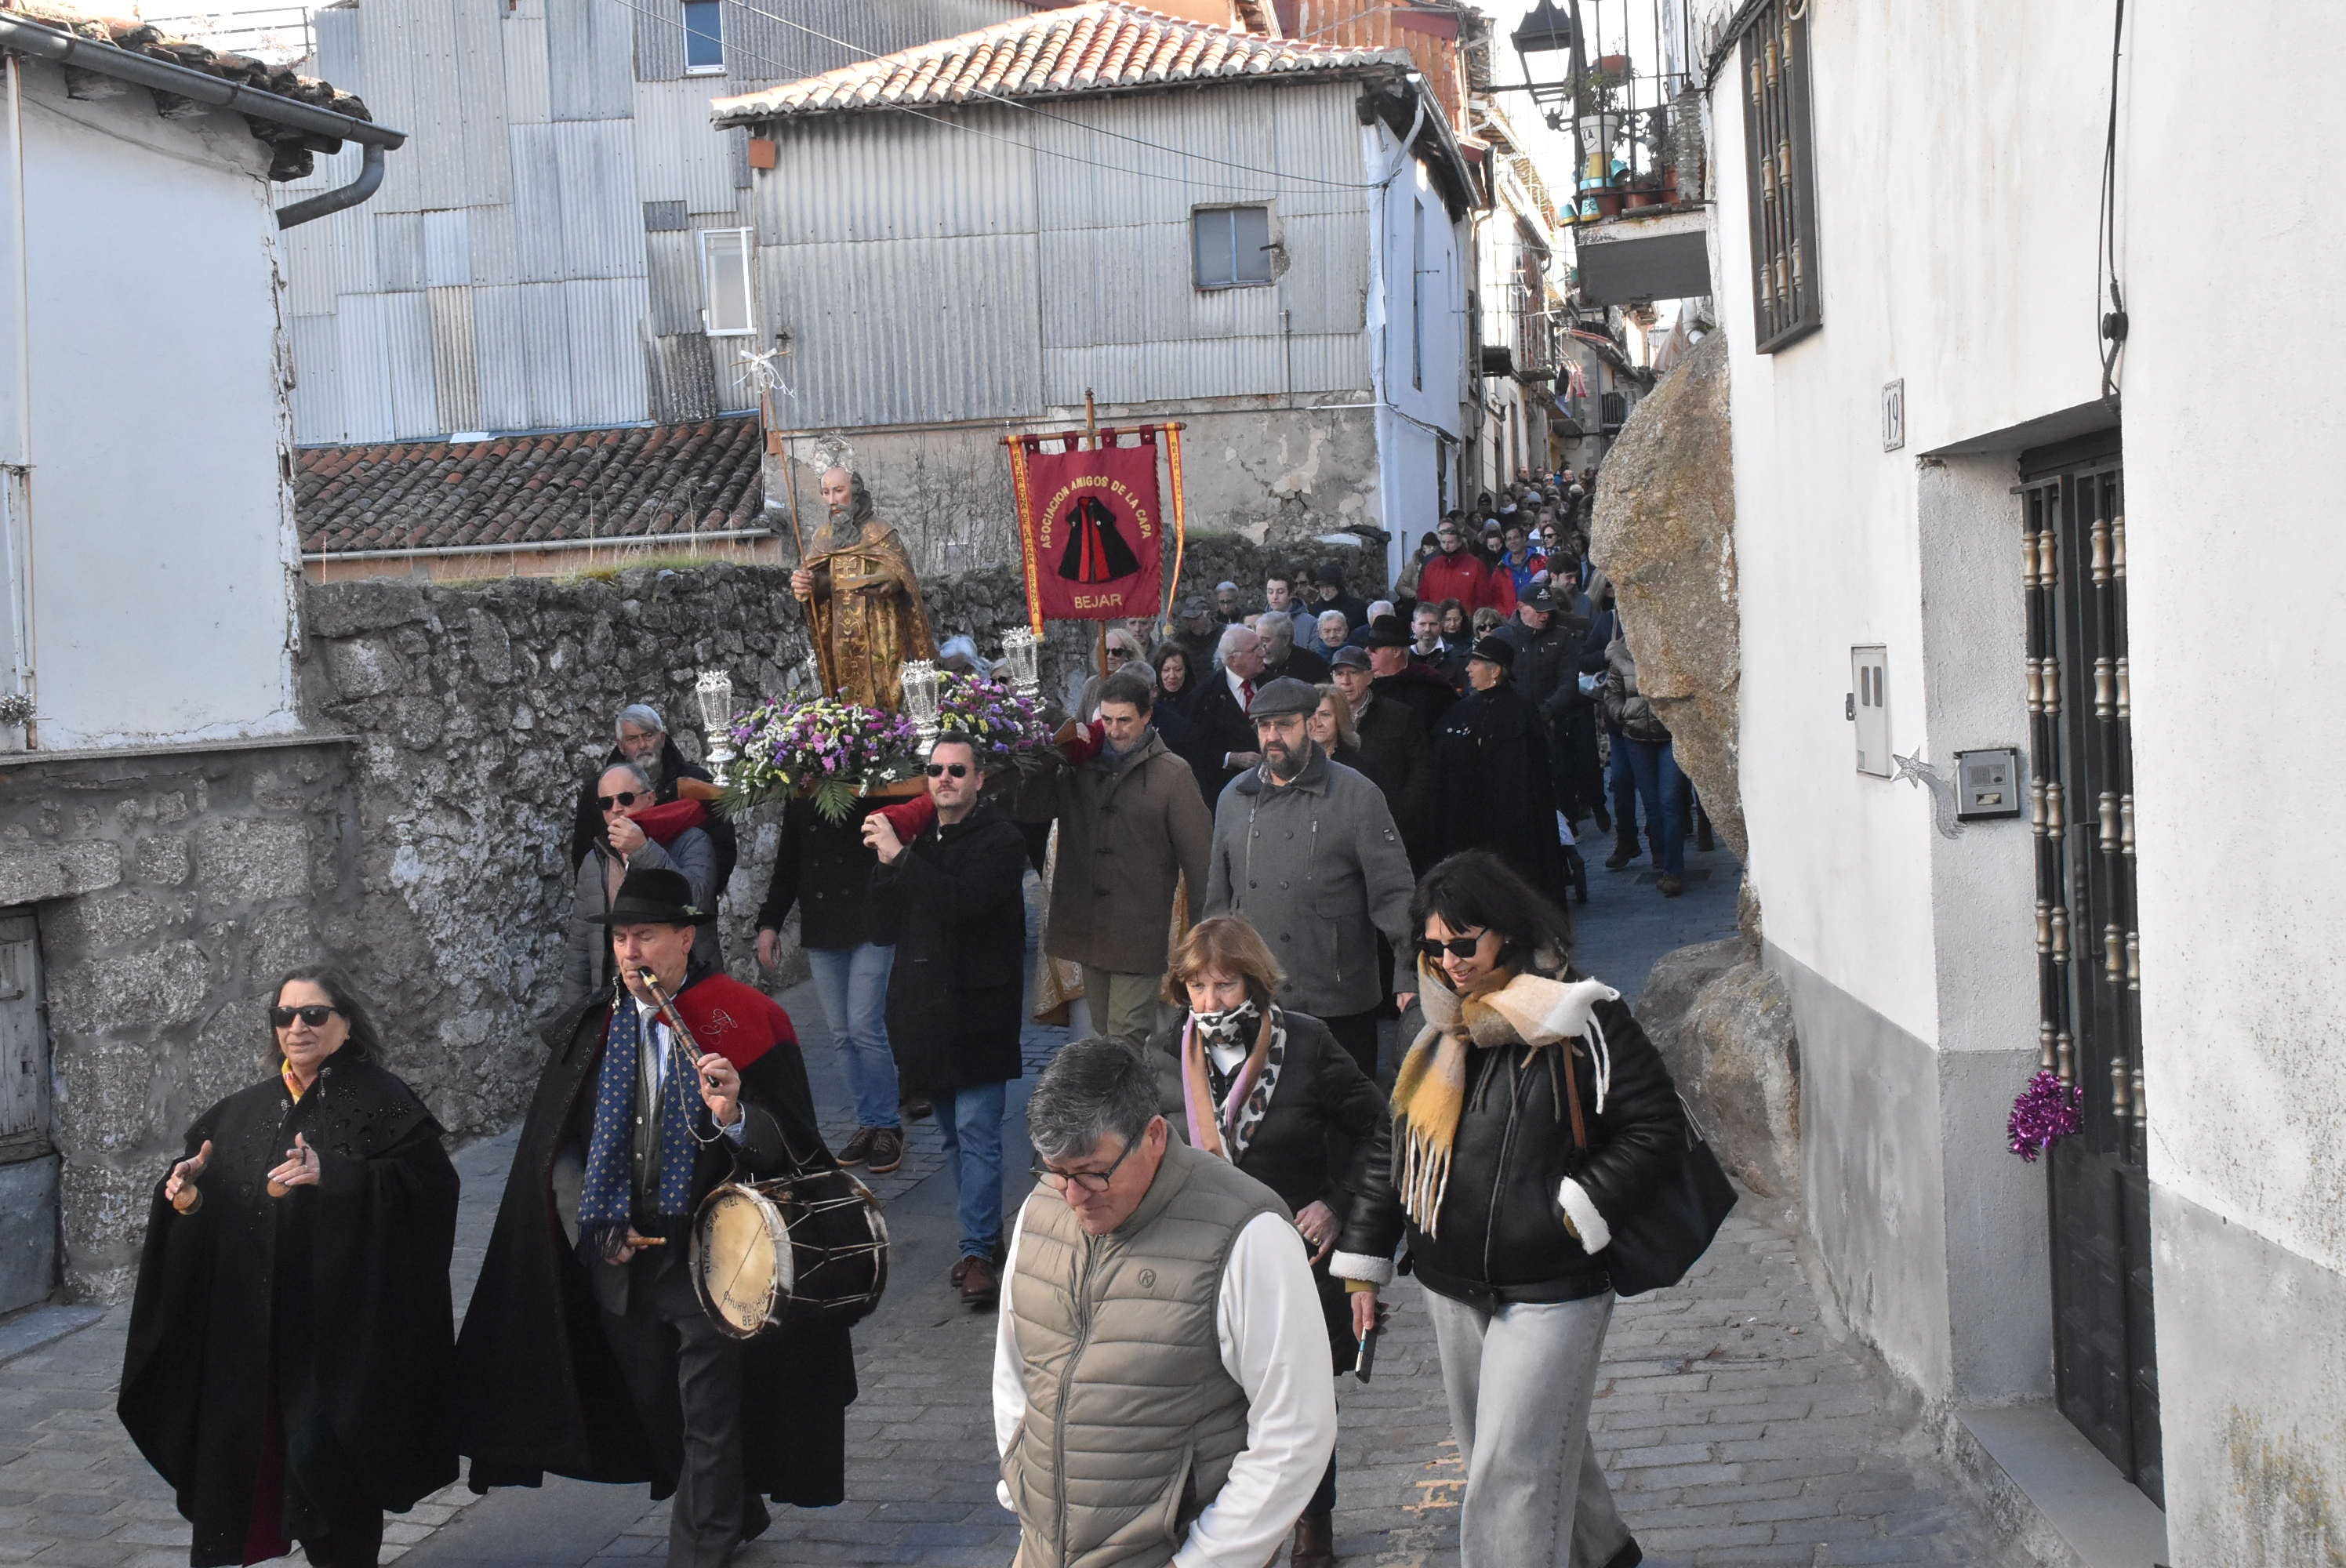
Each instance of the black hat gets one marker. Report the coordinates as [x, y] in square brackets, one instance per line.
[1538, 598]
[1284, 697]
[1349, 658]
[1329, 573]
[654, 896]
[1386, 632]
[1497, 649]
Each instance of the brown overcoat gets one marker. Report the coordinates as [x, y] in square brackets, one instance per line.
[1126, 837]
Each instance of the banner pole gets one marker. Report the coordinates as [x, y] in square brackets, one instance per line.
[1026, 533]
[1180, 520]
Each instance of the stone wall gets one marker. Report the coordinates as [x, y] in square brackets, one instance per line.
[170, 890]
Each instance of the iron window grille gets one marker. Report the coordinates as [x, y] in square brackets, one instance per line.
[1780, 154]
[1231, 247]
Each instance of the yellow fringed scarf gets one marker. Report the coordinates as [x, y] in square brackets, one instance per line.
[1430, 1091]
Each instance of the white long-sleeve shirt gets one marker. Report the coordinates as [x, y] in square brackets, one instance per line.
[1274, 1343]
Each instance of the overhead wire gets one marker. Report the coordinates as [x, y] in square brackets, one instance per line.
[2112, 327]
[1062, 119]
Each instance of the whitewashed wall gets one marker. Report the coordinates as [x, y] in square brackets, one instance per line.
[160, 524]
[1422, 384]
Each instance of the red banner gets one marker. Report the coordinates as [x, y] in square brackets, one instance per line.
[1089, 518]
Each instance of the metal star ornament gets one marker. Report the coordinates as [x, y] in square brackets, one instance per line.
[1915, 770]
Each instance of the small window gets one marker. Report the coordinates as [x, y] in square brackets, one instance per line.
[726, 279]
[704, 38]
[1780, 148]
[1417, 297]
[1232, 245]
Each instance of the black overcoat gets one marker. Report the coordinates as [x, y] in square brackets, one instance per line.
[335, 1295]
[538, 1387]
[1495, 788]
[1326, 1121]
[957, 902]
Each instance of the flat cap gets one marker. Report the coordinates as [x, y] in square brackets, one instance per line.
[1495, 649]
[1349, 658]
[1284, 697]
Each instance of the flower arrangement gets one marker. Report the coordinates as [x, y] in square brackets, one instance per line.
[2044, 1112]
[834, 751]
[1008, 729]
[837, 752]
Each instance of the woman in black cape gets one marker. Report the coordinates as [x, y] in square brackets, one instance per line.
[288, 1364]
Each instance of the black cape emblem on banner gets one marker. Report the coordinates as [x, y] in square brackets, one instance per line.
[1096, 551]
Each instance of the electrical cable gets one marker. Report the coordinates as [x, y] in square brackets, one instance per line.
[2112, 327]
[1063, 120]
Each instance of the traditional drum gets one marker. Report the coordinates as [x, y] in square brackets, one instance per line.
[806, 1248]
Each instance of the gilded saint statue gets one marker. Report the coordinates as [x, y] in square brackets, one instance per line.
[863, 599]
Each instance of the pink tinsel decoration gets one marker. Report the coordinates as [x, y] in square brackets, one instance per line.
[2042, 1111]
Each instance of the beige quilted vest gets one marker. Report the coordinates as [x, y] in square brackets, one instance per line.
[1131, 1419]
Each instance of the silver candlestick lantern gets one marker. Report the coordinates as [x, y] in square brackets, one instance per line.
[920, 682]
[1022, 651]
[714, 692]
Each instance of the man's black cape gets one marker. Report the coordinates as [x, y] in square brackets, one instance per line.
[538, 1389]
[1494, 787]
[342, 1286]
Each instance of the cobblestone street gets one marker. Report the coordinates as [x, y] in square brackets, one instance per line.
[1737, 1430]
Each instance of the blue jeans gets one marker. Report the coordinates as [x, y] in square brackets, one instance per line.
[1663, 788]
[853, 984]
[972, 1123]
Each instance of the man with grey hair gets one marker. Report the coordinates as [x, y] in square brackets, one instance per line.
[620, 794]
[643, 739]
[1280, 657]
[1221, 743]
[1161, 1390]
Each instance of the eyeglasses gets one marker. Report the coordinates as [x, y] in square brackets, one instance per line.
[940, 769]
[623, 798]
[1456, 947]
[1090, 1181]
[1117, 655]
[315, 1017]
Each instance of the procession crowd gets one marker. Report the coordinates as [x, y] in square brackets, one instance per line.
[1296, 820]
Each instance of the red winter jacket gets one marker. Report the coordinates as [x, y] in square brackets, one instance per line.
[1463, 577]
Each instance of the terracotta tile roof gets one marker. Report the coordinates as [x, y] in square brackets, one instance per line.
[515, 489]
[291, 148]
[1105, 46]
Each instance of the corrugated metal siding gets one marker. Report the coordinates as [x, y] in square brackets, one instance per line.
[481, 100]
[538, 246]
[447, 248]
[602, 221]
[1132, 285]
[1315, 131]
[678, 152]
[366, 378]
[492, 244]
[527, 101]
[607, 361]
[399, 249]
[407, 355]
[867, 177]
[502, 362]
[1325, 287]
[544, 358]
[591, 52]
[663, 217]
[333, 255]
[455, 379]
[412, 45]
[317, 379]
[659, 38]
[682, 378]
[674, 278]
[915, 330]
[340, 59]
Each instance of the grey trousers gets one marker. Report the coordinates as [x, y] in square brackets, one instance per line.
[1520, 1381]
[685, 1377]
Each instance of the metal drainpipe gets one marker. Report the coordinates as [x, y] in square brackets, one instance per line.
[22, 37]
[18, 543]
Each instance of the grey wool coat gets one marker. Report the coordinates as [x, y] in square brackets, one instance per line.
[1317, 866]
[587, 961]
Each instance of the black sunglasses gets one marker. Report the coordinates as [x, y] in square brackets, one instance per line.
[1118, 654]
[314, 1016]
[623, 798]
[1456, 947]
[939, 769]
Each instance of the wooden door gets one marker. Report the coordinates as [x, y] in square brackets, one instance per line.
[28, 1163]
[2081, 798]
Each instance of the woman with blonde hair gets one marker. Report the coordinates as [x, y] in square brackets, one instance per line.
[1330, 725]
[1272, 1091]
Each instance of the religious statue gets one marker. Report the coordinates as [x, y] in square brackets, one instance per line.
[864, 605]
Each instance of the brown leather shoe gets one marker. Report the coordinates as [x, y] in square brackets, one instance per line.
[887, 1150]
[1671, 886]
[858, 1148]
[1315, 1541]
[958, 1270]
[980, 1287]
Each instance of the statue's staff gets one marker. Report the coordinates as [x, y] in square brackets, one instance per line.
[759, 368]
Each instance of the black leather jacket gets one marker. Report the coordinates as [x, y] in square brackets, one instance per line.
[1501, 1233]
